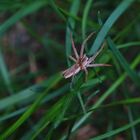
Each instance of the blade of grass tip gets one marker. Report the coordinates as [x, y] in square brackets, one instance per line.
[116, 131]
[30, 93]
[116, 83]
[11, 115]
[48, 98]
[131, 119]
[85, 17]
[56, 8]
[123, 62]
[108, 24]
[5, 74]
[52, 115]
[128, 101]
[53, 81]
[79, 19]
[22, 95]
[20, 14]
[106, 94]
[48, 117]
[125, 31]
[16, 98]
[129, 44]
[81, 102]
[70, 26]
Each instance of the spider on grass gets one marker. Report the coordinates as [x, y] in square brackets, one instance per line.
[82, 62]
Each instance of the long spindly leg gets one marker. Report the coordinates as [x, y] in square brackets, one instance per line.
[94, 56]
[83, 44]
[73, 46]
[86, 73]
[72, 58]
[98, 65]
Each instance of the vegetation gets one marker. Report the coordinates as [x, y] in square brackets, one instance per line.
[37, 102]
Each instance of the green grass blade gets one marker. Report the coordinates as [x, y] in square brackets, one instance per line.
[123, 62]
[20, 14]
[129, 44]
[106, 94]
[30, 94]
[70, 26]
[5, 74]
[48, 98]
[53, 81]
[85, 17]
[11, 115]
[108, 24]
[117, 131]
[53, 115]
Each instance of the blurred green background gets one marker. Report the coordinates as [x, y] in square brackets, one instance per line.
[37, 102]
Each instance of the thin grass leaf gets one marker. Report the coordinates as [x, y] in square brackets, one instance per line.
[41, 125]
[48, 98]
[129, 44]
[131, 119]
[116, 131]
[53, 81]
[92, 82]
[114, 86]
[108, 24]
[20, 14]
[70, 27]
[128, 101]
[81, 102]
[53, 115]
[56, 9]
[5, 74]
[123, 62]
[76, 18]
[125, 31]
[30, 93]
[85, 17]
[11, 115]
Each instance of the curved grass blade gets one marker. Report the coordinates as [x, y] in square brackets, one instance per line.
[106, 94]
[108, 24]
[52, 115]
[48, 98]
[70, 26]
[53, 81]
[5, 74]
[123, 62]
[85, 17]
[117, 131]
[129, 44]
[20, 14]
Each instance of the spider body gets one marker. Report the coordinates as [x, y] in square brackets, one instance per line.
[79, 65]
[82, 62]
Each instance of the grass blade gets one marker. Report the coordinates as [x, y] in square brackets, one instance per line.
[5, 74]
[114, 132]
[20, 14]
[106, 94]
[123, 62]
[70, 26]
[108, 24]
[85, 16]
[53, 81]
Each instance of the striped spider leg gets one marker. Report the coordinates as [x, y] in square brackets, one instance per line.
[82, 62]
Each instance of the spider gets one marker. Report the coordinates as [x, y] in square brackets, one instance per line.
[82, 62]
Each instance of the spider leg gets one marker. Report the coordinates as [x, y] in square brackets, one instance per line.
[83, 44]
[73, 46]
[72, 58]
[86, 73]
[94, 56]
[98, 65]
